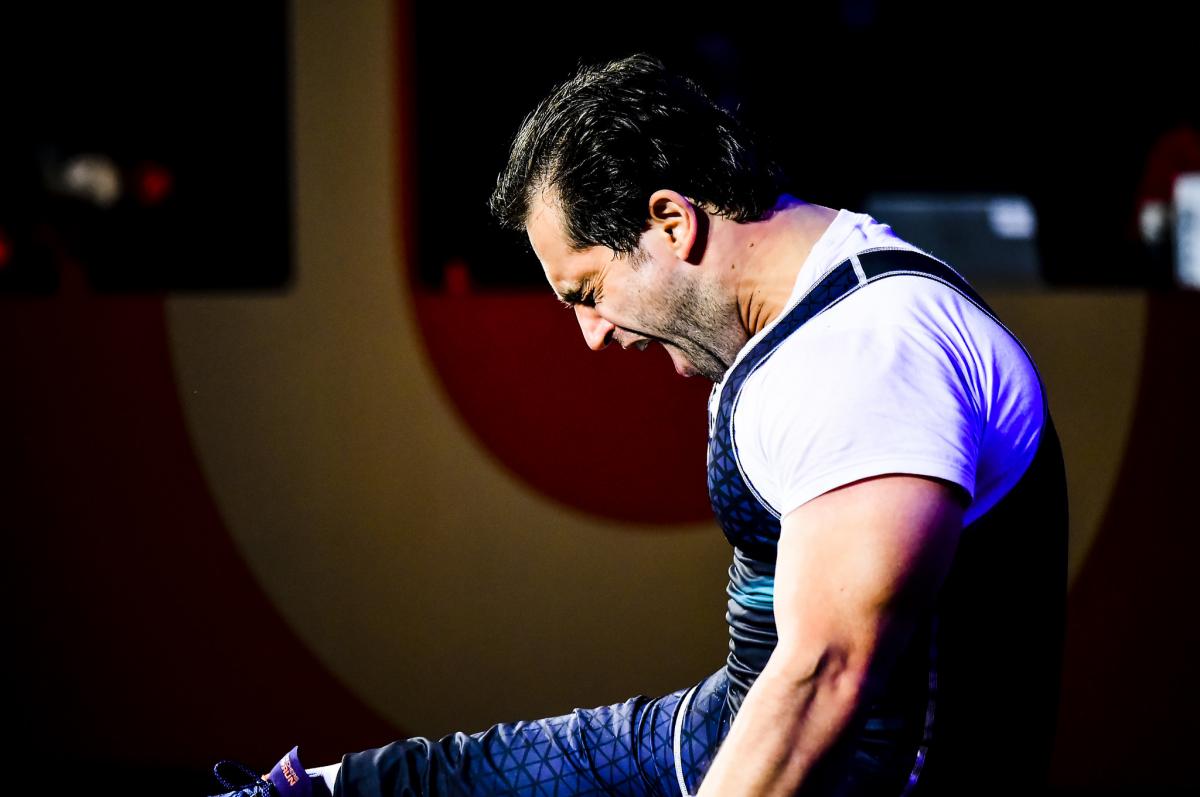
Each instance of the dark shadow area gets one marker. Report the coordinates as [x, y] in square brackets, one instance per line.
[149, 144]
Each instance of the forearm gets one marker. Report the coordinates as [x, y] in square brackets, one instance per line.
[790, 720]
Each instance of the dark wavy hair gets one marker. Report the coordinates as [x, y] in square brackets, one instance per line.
[611, 135]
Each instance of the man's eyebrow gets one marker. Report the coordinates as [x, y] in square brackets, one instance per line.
[573, 294]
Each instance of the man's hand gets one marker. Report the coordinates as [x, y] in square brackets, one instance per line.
[857, 567]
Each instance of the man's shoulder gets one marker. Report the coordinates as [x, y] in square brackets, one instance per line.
[900, 338]
[904, 304]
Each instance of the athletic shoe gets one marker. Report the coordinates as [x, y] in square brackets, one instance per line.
[287, 779]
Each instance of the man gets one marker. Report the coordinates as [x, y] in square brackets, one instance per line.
[881, 457]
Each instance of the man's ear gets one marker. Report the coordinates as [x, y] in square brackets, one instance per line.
[678, 221]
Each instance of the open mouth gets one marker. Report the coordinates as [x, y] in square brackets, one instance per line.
[640, 344]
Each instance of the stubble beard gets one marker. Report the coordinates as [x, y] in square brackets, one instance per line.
[705, 327]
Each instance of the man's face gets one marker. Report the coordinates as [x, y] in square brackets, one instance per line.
[636, 301]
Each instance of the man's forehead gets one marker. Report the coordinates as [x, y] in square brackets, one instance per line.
[560, 262]
[544, 227]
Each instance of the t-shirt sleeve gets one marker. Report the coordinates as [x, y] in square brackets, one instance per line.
[839, 403]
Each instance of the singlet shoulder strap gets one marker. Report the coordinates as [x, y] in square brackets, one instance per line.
[878, 263]
[838, 283]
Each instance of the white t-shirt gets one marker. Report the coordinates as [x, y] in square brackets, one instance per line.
[905, 375]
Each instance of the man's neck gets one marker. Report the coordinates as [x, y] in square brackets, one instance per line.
[765, 257]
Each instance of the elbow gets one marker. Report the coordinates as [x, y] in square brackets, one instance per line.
[833, 674]
[843, 677]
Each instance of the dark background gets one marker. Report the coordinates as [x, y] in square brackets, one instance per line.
[196, 91]
[1058, 105]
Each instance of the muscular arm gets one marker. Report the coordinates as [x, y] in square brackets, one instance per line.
[856, 568]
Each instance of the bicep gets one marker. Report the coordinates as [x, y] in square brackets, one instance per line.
[857, 565]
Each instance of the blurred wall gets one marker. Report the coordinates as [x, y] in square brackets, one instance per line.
[242, 522]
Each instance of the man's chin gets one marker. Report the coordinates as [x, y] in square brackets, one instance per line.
[682, 366]
[685, 367]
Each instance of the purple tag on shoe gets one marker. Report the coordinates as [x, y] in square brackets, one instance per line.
[289, 778]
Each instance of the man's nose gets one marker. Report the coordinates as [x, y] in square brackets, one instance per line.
[596, 331]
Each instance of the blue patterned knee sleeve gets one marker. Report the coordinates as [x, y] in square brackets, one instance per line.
[625, 749]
